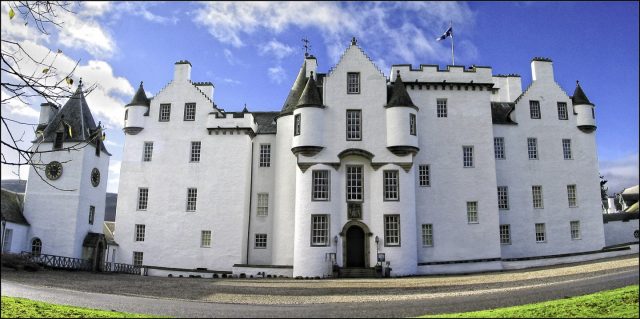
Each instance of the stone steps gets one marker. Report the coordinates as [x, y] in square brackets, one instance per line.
[357, 273]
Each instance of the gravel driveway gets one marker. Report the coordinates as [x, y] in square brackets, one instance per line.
[291, 291]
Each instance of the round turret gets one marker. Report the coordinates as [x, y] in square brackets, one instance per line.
[135, 112]
[586, 116]
[402, 117]
[308, 121]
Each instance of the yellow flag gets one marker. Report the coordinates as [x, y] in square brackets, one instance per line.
[68, 128]
[11, 14]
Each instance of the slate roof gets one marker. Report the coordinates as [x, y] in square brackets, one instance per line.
[500, 112]
[399, 95]
[140, 98]
[579, 97]
[265, 121]
[76, 116]
[11, 207]
[310, 95]
[296, 90]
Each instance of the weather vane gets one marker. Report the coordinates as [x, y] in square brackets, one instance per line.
[306, 46]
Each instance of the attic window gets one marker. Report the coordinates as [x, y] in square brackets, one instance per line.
[353, 83]
[57, 143]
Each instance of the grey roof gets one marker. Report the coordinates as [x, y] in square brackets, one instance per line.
[11, 207]
[579, 97]
[500, 112]
[140, 98]
[619, 216]
[296, 90]
[310, 95]
[266, 122]
[76, 117]
[399, 95]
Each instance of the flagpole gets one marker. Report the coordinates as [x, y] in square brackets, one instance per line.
[453, 60]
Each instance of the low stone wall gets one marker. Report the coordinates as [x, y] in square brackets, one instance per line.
[521, 264]
[620, 228]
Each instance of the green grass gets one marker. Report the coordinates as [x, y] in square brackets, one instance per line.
[617, 303]
[25, 308]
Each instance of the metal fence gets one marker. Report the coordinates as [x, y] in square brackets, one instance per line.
[70, 263]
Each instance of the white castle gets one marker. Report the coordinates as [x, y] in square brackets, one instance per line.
[427, 171]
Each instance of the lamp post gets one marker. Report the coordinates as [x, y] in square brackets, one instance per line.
[377, 246]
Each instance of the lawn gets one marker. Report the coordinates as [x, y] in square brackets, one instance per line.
[617, 303]
[25, 308]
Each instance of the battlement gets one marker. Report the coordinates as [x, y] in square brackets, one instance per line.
[231, 120]
[542, 59]
[432, 73]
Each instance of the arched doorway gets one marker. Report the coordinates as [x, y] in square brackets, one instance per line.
[355, 247]
[355, 244]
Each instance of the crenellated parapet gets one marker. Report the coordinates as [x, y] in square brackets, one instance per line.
[452, 74]
[231, 123]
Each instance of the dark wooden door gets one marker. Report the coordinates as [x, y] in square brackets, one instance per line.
[355, 247]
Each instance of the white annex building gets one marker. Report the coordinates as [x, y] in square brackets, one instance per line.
[62, 213]
[455, 170]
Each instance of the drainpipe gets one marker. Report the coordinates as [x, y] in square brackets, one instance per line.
[250, 197]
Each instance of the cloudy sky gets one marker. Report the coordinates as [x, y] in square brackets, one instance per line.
[256, 47]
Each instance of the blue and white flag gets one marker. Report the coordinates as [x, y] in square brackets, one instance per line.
[446, 34]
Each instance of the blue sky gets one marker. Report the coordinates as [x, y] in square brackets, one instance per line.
[252, 51]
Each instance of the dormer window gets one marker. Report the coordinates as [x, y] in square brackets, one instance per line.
[57, 143]
[353, 83]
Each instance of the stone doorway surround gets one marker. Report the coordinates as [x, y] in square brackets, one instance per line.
[367, 236]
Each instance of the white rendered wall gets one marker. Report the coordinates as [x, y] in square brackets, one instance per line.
[620, 232]
[135, 116]
[312, 124]
[585, 115]
[398, 133]
[263, 180]
[552, 172]
[18, 238]
[61, 218]
[444, 203]
[173, 235]
[284, 163]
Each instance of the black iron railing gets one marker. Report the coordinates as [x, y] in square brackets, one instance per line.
[61, 262]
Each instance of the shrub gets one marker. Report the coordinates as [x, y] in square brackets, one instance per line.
[19, 262]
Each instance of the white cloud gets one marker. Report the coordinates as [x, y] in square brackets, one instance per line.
[231, 58]
[85, 34]
[231, 81]
[275, 48]
[141, 9]
[95, 8]
[104, 100]
[114, 176]
[402, 32]
[620, 173]
[277, 74]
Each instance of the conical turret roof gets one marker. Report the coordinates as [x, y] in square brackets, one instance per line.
[140, 98]
[579, 97]
[310, 94]
[76, 121]
[296, 90]
[399, 95]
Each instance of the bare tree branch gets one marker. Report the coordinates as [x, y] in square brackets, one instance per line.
[26, 76]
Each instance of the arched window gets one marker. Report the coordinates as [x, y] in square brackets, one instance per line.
[36, 246]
